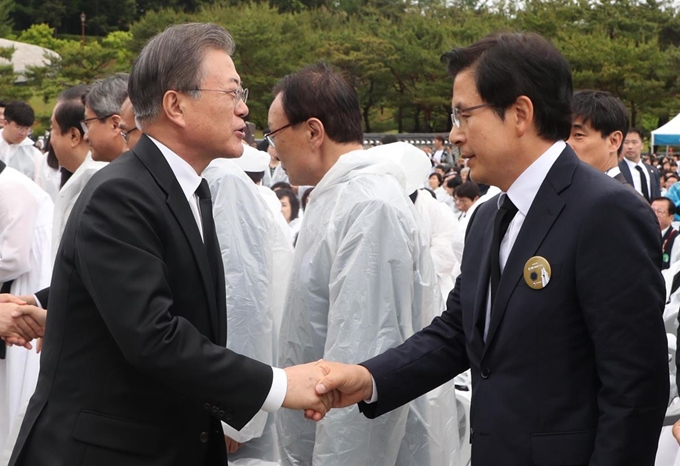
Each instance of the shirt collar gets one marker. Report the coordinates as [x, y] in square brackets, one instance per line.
[632, 165]
[523, 191]
[186, 176]
[612, 172]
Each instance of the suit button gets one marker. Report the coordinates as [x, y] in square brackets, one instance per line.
[220, 414]
[486, 373]
[215, 409]
[228, 417]
[207, 406]
[203, 437]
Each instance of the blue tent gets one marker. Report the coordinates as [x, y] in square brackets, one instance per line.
[668, 134]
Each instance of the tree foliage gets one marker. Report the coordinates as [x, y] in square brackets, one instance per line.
[389, 49]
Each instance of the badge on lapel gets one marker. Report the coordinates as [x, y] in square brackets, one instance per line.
[537, 272]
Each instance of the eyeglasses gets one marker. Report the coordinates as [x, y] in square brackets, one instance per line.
[125, 134]
[269, 136]
[240, 94]
[456, 112]
[21, 129]
[85, 124]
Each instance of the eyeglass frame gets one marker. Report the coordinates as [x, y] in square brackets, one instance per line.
[455, 113]
[240, 93]
[124, 134]
[24, 129]
[84, 123]
[270, 139]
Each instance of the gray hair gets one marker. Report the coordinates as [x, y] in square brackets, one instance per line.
[106, 96]
[173, 61]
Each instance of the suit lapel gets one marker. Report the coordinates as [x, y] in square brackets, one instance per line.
[544, 210]
[623, 166]
[155, 162]
[482, 288]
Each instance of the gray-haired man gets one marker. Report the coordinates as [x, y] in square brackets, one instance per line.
[102, 117]
[134, 368]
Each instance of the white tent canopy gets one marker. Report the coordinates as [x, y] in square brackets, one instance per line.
[25, 55]
[668, 134]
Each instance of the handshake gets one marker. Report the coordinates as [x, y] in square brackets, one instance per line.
[20, 320]
[317, 387]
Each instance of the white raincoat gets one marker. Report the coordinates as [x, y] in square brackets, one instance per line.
[257, 256]
[23, 157]
[362, 282]
[25, 233]
[68, 195]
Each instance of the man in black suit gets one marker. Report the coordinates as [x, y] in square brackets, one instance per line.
[599, 125]
[642, 176]
[568, 362]
[134, 368]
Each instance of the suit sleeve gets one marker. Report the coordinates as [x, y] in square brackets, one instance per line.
[425, 361]
[621, 292]
[118, 236]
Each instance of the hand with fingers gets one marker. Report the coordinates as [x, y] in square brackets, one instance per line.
[20, 323]
[301, 393]
[347, 384]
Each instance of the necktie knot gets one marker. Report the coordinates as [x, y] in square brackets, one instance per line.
[203, 191]
[508, 208]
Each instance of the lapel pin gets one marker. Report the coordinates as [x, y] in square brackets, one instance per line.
[537, 272]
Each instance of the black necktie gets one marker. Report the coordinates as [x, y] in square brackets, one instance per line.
[643, 182]
[500, 226]
[209, 236]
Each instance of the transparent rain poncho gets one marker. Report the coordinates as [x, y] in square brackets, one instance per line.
[363, 281]
[257, 256]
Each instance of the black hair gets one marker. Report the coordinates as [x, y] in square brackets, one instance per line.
[255, 176]
[637, 131]
[292, 198]
[453, 182]
[281, 185]
[468, 189]
[671, 205]
[604, 112]
[388, 139]
[509, 65]
[440, 178]
[317, 91]
[305, 198]
[20, 113]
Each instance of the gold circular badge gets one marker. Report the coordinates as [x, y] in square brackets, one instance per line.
[537, 272]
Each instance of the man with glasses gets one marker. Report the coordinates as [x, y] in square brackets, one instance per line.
[363, 278]
[16, 148]
[135, 369]
[73, 153]
[127, 126]
[569, 361]
[101, 123]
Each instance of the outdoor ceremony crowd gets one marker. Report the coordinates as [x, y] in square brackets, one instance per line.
[175, 292]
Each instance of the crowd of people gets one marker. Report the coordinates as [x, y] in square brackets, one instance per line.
[166, 287]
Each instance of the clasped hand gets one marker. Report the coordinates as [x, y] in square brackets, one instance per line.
[20, 321]
[319, 386]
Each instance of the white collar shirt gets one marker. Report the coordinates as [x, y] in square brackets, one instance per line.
[522, 193]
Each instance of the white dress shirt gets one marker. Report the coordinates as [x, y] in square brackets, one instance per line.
[189, 181]
[612, 172]
[522, 193]
[637, 184]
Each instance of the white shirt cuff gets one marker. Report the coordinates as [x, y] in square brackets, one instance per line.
[277, 393]
[374, 397]
[37, 302]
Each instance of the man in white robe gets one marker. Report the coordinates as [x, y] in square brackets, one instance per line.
[25, 266]
[362, 279]
[73, 152]
[16, 148]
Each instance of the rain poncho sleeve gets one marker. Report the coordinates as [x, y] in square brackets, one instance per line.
[255, 255]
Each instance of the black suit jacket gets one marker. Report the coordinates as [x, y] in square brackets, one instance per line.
[654, 177]
[575, 373]
[134, 369]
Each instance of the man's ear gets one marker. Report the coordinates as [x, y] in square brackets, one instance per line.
[317, 133]
[173, 107]
[523, 114]
[614, 140]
